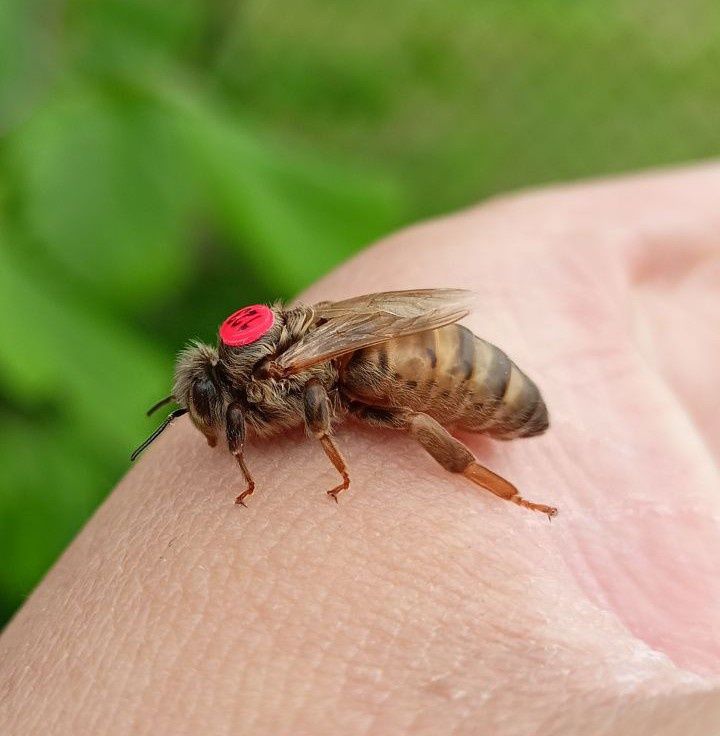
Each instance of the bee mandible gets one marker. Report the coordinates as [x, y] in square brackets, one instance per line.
[395, 360]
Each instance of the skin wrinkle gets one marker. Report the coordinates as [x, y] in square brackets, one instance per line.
[662, 325]
[673, 401]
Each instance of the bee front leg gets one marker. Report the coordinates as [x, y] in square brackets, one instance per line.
[317, 420]
[235, 428]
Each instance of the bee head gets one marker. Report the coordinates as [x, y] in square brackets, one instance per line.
[198, 387]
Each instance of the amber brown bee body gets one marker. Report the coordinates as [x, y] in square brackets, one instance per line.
[452, 375]
[394, 359]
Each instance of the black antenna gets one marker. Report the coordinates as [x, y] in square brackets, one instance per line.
[159, 405]
[171, 416]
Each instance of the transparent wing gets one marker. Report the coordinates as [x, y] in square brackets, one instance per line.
[351, 324]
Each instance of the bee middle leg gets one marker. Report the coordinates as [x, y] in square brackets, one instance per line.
[452, 454]
[317, 419]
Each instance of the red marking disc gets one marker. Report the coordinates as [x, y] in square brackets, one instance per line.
[246, 325]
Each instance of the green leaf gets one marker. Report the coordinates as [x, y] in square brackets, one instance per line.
[105, 193]
[62, 351]
[25, 48]
[134, 36]
[290, 214]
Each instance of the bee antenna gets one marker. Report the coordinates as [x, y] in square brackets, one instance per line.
[171, 416]
[159, 405]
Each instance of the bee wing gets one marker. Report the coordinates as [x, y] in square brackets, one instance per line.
[351, 324]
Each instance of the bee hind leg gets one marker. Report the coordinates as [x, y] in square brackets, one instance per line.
[317, 420]
[452, 454]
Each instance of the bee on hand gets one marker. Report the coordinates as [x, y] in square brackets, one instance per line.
[394, 359]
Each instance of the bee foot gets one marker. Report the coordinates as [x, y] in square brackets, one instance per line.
[240, 500]
[333, 495]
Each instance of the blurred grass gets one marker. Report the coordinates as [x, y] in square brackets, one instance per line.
[162, 163]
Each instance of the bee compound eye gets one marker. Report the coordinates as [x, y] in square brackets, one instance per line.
[246, 325]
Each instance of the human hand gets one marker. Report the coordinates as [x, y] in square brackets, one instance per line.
[421, 604]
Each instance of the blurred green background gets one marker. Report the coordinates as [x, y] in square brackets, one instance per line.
[164, 162]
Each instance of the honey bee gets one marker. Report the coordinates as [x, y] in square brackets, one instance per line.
[394, 359]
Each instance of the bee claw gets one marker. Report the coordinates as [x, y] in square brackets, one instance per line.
[240, 500]
[333, 495]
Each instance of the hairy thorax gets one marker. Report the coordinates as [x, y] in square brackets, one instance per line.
[276, 405]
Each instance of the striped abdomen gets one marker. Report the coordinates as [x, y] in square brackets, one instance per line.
[453, 376]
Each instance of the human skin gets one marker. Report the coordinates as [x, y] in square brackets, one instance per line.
[421, 604]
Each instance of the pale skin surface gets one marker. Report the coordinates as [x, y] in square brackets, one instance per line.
[421, 604]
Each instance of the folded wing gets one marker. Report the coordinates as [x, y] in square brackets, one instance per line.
[351, 324]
